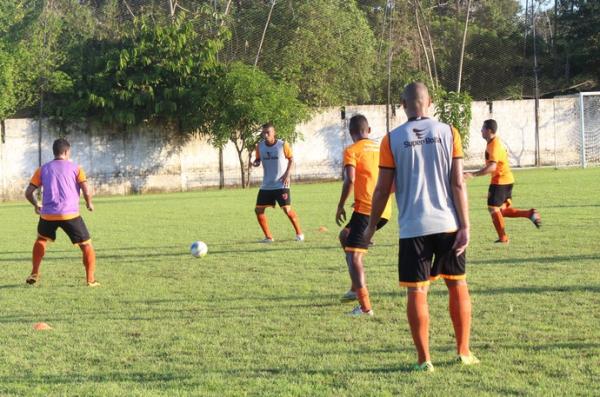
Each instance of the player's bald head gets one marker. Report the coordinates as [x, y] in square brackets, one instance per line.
[415, 92]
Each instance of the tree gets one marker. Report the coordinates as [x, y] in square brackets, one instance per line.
[159, 71]
[331, 54]
[244, 98]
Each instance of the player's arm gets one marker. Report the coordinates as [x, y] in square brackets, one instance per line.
[488, 169]
[381, 195]
[87, 195]
[461, 203]
[349, 177]
[82, 181]
[31, 198]
[256, 161]
[290, 158]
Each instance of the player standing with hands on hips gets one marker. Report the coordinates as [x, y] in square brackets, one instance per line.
[277, 160]
[424, 157]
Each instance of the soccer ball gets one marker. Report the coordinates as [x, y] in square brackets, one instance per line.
[198, 249]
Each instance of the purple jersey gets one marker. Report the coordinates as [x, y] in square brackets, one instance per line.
[60, 181]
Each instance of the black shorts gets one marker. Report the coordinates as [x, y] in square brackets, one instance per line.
[75, 229]
[268, 198]
[427, 258]
[499, 194]
[355, 241]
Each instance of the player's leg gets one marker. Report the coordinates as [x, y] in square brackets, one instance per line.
[80, 236]
[264, 199]
[414, 267]
[357, 275]
[532, 214]
[89, 261]
[350, 295]
[452, 269]
[355, 248]
[46, 232]
[285, 202]
[495, 201]
[417, 311]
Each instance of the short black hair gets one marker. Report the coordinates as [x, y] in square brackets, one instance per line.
[358, 123]
[60, 146]
[268, 125]
[491, 124]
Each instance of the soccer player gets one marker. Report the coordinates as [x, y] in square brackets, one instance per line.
[277, 160]
[61, 181]
[361, 168]
[500, 191]
[424, 157]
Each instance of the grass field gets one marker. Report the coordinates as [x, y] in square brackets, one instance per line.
[251, 319]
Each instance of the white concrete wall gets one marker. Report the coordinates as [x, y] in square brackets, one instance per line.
[152, 160]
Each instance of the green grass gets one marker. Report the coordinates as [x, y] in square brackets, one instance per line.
[250, 319]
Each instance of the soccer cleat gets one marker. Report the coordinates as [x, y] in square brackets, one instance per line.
[349, 296]
[467, 360]
[267, 240]
[358, 312]
[299, 237]
[93, 284]
[32, 279]
[502, 241]
[427, 366]
[536, 218]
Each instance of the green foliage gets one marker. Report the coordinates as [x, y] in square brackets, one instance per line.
[157, 72]
[330, 55]
[7, 94]
[455, 109]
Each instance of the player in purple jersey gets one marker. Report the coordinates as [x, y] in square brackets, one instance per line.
[61, 181]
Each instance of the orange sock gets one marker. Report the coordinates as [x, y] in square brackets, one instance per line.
[295, 221]
[498, 221]
[89, 261]
[264, 225]
[39, 249]
[510, 212]
[417, 311]
[460, 313]
[363, 299]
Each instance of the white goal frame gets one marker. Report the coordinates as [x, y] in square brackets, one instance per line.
[582, 95]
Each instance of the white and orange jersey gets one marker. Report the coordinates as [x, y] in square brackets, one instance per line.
[421, 153]
[274, 159]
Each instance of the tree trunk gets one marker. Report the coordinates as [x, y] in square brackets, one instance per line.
[242, 171]
[424, 48]
[262, 39]
[426, 24]
[249, 169]
[462, 50]
[221, 170]
[240, 151]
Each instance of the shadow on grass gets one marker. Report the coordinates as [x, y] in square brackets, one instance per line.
[541, 259]
[108, 377]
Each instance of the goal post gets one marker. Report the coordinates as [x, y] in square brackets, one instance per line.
[589, 128]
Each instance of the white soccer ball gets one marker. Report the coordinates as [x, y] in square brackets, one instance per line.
[198, 249]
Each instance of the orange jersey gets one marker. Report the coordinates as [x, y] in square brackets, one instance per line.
[363, 155]
[495, 152]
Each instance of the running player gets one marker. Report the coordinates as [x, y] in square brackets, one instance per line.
[277, 160]
[361, 168]
[424, 157]
[499, 199]
[61, 182]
